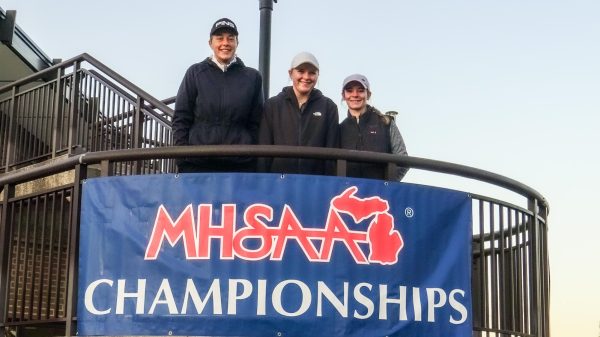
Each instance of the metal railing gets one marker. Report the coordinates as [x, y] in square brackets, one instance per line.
[78, 110]
[510, 276]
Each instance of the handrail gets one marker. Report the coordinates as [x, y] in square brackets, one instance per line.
[276, 151]
[147, 107]
[169, 100]
[99, 65]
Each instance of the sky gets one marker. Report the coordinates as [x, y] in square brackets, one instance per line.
[511, 87]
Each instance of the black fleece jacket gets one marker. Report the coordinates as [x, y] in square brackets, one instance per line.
[284, 123]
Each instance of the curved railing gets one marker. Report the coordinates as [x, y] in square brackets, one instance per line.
[510, 276]
[287, 152]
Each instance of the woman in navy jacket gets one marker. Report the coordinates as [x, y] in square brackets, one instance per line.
[219, 102]
[367, 129]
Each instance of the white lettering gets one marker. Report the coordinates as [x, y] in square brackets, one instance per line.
[456, 305]
[233, 294]
[306, 298]
[432, 304]
[417, 303]
[89, 297]
[261, 301]
[383, 302]
[323, 289]
[225, 23]
[447, 304]
[364, 300]
[139, 296]
[214, 291]
[169, 300]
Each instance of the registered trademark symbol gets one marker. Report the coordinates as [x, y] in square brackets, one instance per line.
[409, 212]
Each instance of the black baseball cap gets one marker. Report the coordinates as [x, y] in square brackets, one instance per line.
[224, 24]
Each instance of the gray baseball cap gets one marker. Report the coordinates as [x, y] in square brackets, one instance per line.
[362, 79]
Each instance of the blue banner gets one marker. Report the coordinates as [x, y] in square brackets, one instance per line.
[271, 255]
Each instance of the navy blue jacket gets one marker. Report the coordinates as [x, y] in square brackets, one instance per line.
[216, 107]
[371, 132]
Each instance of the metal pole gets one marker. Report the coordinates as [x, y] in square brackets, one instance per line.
[264, 43]
[73, 253]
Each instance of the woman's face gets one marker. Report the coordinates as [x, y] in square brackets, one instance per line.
[223, 45]
[304, 78]
[356, 96]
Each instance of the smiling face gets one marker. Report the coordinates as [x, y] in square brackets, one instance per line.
[224, 45]
[356, 97]
[304, 78]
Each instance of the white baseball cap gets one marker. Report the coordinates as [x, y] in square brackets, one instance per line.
[304, 57]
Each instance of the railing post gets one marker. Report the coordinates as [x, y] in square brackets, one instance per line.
[12, 125]
[476, 288]
[5, 235]
[106, 168]
[57, 124]
[543, 211]
[341, 168]
[391, 171]
[138, 129]
[73, 253]
[535, 283]
[74, 111]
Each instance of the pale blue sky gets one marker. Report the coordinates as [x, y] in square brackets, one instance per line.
[508, 86]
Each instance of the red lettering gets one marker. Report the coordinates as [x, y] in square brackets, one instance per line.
[336, 230]
[258, 238]
[224, 232]
[257, 230]
[164, 227]
[290, 228]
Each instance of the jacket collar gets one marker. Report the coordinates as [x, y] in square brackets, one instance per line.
[234, 63]
[288, 93]
[366, 115]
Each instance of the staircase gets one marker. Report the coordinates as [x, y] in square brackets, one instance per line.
[85, 107]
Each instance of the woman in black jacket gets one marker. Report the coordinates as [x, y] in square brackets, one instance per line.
[299, 115]
[367, 129]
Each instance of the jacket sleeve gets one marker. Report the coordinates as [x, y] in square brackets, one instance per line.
[398, 147]
[265, 137]
[183, 117]
[333, 129]
[256, 110]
